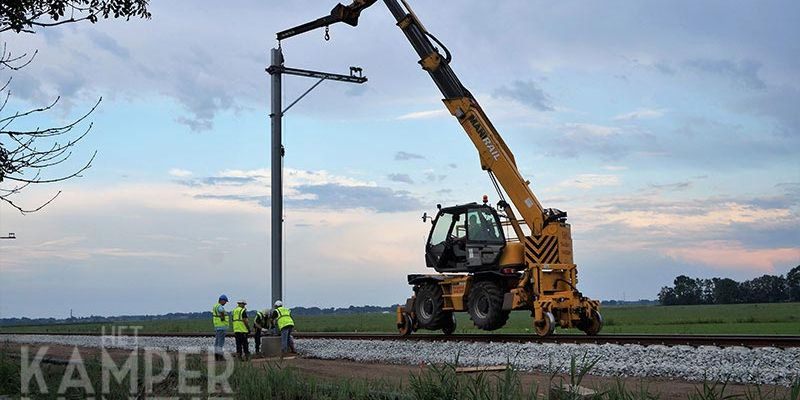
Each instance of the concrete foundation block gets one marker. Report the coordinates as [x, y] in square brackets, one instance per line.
[271, 346]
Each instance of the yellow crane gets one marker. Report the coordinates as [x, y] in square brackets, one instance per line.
[480, 270]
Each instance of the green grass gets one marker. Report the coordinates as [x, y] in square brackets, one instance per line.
[781, 318]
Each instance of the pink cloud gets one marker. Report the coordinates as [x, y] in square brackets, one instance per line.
[721, 254]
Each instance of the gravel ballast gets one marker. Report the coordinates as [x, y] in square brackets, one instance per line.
[763, 365]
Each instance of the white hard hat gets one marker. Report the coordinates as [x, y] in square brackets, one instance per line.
[278, 303]
[242, 301]
[265, 311]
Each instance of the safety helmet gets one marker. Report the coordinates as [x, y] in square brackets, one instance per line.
[223, 297]
[278, 303]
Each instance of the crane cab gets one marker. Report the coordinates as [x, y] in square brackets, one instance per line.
[465, 238]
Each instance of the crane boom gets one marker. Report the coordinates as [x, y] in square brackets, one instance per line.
[495, 156]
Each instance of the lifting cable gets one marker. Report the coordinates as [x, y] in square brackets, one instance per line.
[496, 186]
[499, 195]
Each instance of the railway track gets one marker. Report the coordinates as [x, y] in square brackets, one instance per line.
[750, 341]
[667, 340]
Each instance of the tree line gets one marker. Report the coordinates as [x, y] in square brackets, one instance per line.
[764, 289]
[17, 321]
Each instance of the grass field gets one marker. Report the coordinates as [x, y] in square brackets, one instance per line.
[781, 318]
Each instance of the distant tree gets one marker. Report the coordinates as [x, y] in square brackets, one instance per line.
[776, 288]
[666, 297]
[726, 291]
[28, 151]
[687, 290]
[765, 289]
[793, 283]
[748, 292]
[706, 290]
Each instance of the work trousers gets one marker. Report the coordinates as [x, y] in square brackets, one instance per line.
[257, 338]
[241, 343]
[287, 342]
[219, 340]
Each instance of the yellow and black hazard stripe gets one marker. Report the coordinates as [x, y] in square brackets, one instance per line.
[542, 249]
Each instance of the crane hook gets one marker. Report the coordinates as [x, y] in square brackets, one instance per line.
[327, 35]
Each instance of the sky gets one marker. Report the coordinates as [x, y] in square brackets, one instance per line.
[669, 132]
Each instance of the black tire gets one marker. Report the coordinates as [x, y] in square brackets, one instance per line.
[428, 307]
[593, 324]
[485, 306]
[449, 328]
[546, 326]
[407, 327]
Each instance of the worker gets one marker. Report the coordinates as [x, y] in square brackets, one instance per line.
[220, 319]
[283, 318]
[272, 327]
[262, 325]
[479, 230]
[241, 328]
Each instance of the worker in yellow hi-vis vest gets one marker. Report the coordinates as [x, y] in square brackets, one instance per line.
[283, 318]
[220, 319]
[241, 328]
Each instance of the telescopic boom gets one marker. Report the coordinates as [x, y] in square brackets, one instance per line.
[495, 156]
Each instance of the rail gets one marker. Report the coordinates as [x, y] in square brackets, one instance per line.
[750, 341]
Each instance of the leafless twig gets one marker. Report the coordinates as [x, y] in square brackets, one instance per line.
[28, 154]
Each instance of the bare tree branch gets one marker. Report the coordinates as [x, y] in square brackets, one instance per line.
[26, 154]
[26, 211]
[10, 61]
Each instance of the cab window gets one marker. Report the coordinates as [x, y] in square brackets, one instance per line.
[482, 226]
[460, 228]
[439, 234]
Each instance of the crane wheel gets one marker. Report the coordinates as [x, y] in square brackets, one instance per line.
[450, 327]
[485, 306]
[546, 326]
[429, 307]
[593, 324]
[407, 327]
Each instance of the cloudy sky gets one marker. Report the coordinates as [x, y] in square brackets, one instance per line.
[669, 131]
